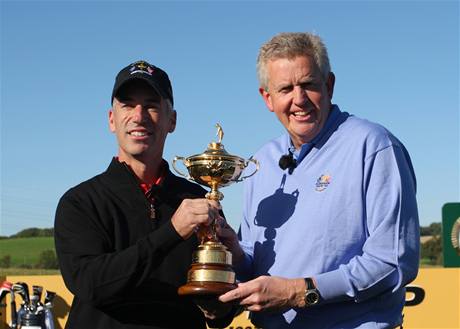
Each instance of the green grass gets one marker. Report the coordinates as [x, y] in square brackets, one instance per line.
[27, 271]
[425, 262]
[25, 251]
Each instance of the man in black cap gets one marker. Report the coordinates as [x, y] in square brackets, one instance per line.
[124, 238]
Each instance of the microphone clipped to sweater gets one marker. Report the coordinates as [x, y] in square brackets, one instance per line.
[288, 161]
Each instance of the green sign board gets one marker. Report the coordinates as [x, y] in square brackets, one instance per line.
[451, 234]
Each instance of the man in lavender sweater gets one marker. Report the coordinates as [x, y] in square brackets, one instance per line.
[330, 234]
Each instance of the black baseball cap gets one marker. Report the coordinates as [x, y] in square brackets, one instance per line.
[154, 76]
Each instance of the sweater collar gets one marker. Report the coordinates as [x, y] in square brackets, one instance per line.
[331, 124]
[124, 183]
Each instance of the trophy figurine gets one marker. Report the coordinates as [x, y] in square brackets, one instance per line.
[211, 271]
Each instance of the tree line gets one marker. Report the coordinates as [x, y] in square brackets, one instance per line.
[431, 250]
[432, 229]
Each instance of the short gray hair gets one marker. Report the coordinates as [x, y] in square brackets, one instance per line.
[290, 45]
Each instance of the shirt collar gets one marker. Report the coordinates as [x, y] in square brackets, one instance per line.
[146, 187]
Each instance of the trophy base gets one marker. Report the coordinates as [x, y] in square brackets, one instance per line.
[205, 289]
[211, 273]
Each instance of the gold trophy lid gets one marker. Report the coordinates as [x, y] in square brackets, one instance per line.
[216, 150]
[215, 167]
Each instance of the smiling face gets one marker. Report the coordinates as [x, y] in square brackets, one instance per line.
[141, 120]
[299, 96]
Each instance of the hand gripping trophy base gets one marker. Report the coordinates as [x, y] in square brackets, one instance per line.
[211, 272]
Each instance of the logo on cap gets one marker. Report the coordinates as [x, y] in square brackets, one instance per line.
[141, 67]
[154, 76]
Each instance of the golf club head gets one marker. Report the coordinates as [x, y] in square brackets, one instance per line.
[23, 290]
[5, 288]
[49, 297]
[37, 291]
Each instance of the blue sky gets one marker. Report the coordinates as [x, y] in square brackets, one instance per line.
[396, 63]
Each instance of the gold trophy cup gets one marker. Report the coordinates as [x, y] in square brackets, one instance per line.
[211, 272]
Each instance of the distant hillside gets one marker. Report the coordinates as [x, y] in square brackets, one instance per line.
[432, 229]
[34, 232]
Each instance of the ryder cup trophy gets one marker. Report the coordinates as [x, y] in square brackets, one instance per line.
[211, 272]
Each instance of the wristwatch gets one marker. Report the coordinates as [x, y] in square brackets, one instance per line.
[311, 293]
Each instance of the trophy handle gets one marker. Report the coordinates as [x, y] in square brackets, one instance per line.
[176, 158]
[251, 159]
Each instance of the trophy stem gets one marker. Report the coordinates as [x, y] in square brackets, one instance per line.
[215, 194]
